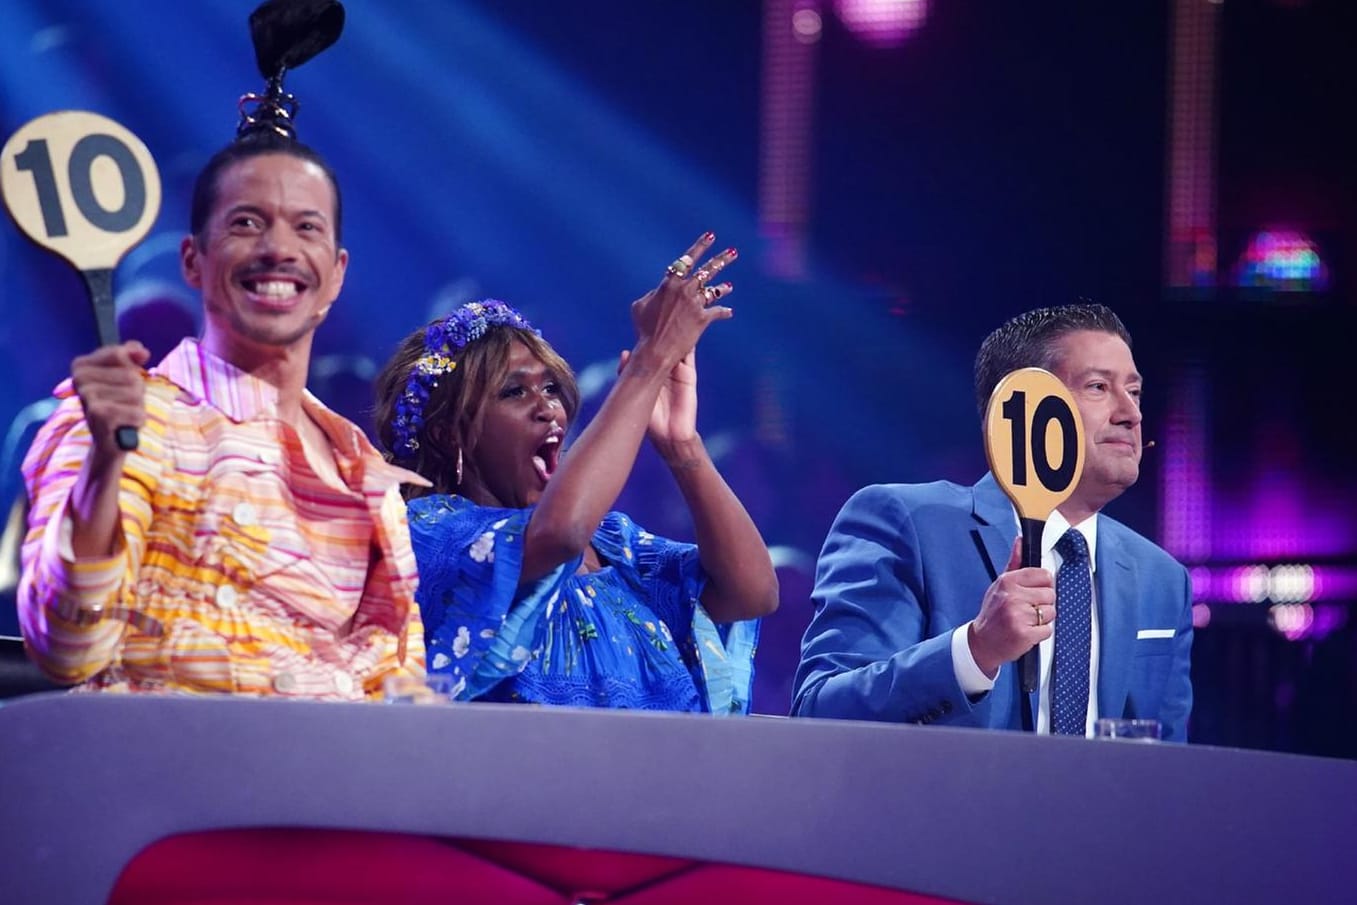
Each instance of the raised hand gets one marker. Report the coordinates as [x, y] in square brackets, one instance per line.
[671, 317]
[112, 391]
[656, 395]
[673, 420]
[1017, 613]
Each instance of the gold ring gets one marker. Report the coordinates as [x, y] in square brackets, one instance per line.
[1040, 621]
[711, 293]
[682, 264]
[701, 276]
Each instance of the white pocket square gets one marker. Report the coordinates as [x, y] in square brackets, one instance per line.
[1154, 633]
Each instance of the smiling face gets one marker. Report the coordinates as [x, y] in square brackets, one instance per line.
[1100, 373]
[266, 259]
[523, 423]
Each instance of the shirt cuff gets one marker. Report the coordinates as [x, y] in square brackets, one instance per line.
[969, 675]
[82, 587]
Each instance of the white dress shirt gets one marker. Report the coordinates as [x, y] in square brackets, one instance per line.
[972, 678]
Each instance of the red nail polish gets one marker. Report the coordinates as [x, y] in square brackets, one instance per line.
[732, 252]
[708, 236]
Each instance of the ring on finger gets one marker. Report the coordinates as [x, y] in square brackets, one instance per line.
[1040, 620]
[682, 264]
[701, 276]
[712, 293]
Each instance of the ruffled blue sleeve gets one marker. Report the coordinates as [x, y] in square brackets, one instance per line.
[670, 574]
[479, 626]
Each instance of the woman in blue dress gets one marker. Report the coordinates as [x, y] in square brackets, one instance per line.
[530, 588]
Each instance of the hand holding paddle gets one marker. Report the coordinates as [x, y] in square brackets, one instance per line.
[83, 187]
[1021, 447]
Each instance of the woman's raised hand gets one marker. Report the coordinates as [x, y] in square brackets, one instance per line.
[673, 421]
[671, 317]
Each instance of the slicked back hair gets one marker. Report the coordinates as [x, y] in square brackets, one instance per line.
[1030, 340]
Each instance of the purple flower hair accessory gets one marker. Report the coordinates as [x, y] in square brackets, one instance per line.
[442, 341]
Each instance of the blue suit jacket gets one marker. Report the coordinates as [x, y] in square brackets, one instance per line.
[905, 564]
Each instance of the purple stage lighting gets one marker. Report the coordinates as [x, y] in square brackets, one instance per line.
[883, 23]
[1283, 260]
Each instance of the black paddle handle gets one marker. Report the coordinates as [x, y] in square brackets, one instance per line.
[1032, 530]
[100, 286]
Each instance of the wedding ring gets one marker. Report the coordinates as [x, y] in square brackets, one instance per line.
[1040, 621]
[682, 264]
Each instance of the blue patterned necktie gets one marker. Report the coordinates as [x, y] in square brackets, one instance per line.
[1073, 630]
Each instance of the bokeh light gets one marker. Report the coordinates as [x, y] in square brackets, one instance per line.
[1284, 261]
[883, 23]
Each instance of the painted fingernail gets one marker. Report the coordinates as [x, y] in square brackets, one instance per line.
[708, 236]
[732, 253]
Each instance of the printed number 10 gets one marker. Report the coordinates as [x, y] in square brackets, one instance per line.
[1051, 408]
[36, 159]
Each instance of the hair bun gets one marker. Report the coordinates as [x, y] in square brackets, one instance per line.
[285, 33]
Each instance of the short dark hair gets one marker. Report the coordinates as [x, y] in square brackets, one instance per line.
[1029, 341]
[255, 144]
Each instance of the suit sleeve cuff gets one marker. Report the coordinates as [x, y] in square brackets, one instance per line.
[969, 675]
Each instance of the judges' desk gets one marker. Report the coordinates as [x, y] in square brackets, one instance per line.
[971, 816]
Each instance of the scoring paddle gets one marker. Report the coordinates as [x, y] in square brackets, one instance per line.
[1035, 444]
[84, 187]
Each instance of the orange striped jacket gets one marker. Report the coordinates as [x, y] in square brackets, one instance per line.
[239, 569]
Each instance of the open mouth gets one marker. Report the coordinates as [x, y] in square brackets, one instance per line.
[274, 290]
[547, 457]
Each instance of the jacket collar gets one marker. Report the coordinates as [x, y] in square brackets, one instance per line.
[242, 397]
[998, 524]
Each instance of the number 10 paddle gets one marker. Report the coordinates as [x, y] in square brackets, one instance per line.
[1035, 444]
[82, 186]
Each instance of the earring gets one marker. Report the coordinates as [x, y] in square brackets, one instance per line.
[459, 466]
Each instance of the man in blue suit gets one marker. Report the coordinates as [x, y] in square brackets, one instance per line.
[921, 609]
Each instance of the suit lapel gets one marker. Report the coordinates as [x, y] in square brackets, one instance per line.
[994, 535]
[1117, 596]
[998, 525]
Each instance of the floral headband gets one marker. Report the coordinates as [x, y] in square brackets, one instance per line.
[442, 341]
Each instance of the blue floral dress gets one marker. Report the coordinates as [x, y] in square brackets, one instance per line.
[631, 635]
